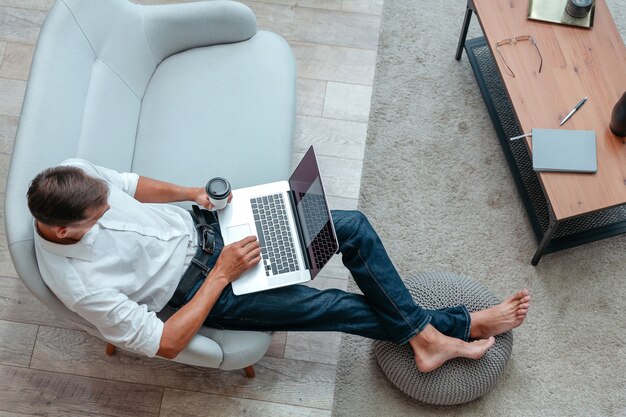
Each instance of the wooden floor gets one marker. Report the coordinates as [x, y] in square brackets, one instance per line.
[49, 367]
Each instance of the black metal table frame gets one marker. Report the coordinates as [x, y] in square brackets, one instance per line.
[584, 229]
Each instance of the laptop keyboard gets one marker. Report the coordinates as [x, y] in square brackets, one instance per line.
[272, 226]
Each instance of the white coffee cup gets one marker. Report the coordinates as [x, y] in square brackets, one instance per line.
[218, 190]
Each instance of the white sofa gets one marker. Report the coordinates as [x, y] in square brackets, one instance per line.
[180, 92]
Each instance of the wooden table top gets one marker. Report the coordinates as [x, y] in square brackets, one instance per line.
[577, 62]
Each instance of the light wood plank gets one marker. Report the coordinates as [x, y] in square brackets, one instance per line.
[31, 391]
[19, 305]
[6, 264]
[310, 97]
[327, 27]
[331, 137]
[20, 25]
[285, 381]
[315, 4]
[28, 4]
[5, 160]
[341, 203]
[320, 347]
[4, 245]
[277, 348]
[363, 6]
[16, 342]
[8, 128]
[342, 177]
[12, 96]
[178, 403]
[3, 46]
[335, 63]
[14, 414]
[17, 60]
[347, 102]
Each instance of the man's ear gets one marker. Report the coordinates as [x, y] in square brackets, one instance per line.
[60, 232]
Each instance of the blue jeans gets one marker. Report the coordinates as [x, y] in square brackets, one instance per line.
[385, 311]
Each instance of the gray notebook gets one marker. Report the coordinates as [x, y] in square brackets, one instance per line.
[564, 150]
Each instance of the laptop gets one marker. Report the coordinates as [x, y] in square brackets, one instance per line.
[292, 221]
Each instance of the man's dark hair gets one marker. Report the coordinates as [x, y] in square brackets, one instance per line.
[61, 196]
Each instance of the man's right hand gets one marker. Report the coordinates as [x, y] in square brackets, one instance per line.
[236, 258]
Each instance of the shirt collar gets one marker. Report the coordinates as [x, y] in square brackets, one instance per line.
[83, 249]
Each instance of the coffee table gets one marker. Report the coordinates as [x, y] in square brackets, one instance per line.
[566, 209]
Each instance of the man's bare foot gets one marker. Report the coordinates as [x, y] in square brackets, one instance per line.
[432, 349]
[501, 318]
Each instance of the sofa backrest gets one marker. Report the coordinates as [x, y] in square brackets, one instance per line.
[90, 70]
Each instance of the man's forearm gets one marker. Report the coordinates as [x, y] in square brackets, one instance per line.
[185, 323]
[234, 260]
[155, 191]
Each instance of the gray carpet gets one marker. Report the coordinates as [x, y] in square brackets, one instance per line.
[437, 187]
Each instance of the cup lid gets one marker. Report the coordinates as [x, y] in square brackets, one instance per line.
[218, 188]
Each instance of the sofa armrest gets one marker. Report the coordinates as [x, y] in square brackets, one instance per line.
[201, 351]
[25, 262]
[173, 28]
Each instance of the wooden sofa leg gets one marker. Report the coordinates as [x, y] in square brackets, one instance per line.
[249, 371]
[110, 349]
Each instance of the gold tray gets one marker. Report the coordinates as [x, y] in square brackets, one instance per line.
[554, 11]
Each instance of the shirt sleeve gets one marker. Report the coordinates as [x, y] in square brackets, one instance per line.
[125, 181]
[122, 321]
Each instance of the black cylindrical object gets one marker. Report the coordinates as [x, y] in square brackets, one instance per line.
[618, 117]
[218, 190]
[578, 8]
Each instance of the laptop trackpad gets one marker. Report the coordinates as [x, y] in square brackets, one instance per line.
[238, 232]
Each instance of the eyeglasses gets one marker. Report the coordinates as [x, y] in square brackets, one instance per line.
[513, 41]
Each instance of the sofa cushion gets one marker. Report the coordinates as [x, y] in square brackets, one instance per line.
[236, 98]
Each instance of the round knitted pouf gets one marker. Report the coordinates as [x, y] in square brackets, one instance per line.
[459, 380]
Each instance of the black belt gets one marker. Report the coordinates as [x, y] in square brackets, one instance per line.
[197, 269]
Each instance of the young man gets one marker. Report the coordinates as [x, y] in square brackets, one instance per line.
[116, 258]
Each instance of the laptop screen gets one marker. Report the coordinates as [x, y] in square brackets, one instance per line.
[317, 229]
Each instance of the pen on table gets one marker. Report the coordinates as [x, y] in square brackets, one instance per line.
[525, 135]
[574, 110]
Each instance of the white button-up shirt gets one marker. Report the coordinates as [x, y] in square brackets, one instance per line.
[126, 268]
